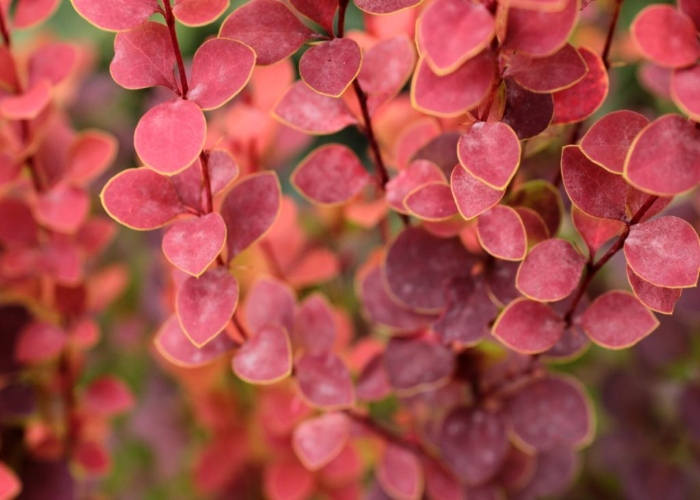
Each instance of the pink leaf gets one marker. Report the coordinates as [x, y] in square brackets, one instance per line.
[473, 197]
[551, 271]
[220, 70]
[108, 396]
[270, 301]
[585, 97]
[659, 299]
[116, 16]
[269, 27]
[553, 73]
[39, 342]
[315, 328]
[169, 137]
[418, 363]
[29, 13]
[172, 343]
[321, 12]
[192, 245]
[400, 473]
[529, 327]
[468, 313]
[141, 199]
[432, 202]
[266, 357]
[28, 105]
[666, 35]
[595, 232]
[684, 90]
[617, 320]
[416, 174]
[537, 32]
[53, 62]
[609, 139]
[502, 233]
[490, 151]
[199, 12]
[324, 381]
[205, 305]
[330, 67]
[385, 6]
[63, 208]
[319, 440]
[91, 153]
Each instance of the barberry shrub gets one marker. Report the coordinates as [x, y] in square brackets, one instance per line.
[398, 240]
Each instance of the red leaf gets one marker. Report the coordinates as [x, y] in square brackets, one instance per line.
[595, 232]
[609, 139]
[470, 26]
[205, 305]
[373, 381]
[684, 90]
[108, 396]
[553, 73]
[303, 109]
[386, 67]
[170, 136]
[324, 381]
[665, 252]
[287, 480]
[542, 197]
[593, 189]
[249, 210]
[400, 473]
[266, 357]
[535, 226]
[552, 412]
[555, 469]
[551, 271]
[113, 16]
[474, 443]
[93, 458]
[144, 57]
[584, 98]
[471, 195]
[269, 27]
[659, 299]
[172, 343]
[63, 208]
[692, 9]
[432, 202]
[91, 153]
[529, 327]
[381, 308]
[412, 139]
[28, 105]
[220, 70]
[456, 93]
[500, 282]
[539, 33]
[527, 113]
[322, 12]
[330, 175]
[29, 13]
[468, 313]
[330, 67]
[385, 6]
[199, 12]
[502, 233]
[441, 484]
[53, 62]
[270, 301]
[315, 329]
[141, 199]
[418, 363]
[319, 440]
[617, 320]
[417, 173]
[10, 485]
[193, 244]
[664, 158]
[666, 35]
[39, 342]
[490, 151]
[418, 266]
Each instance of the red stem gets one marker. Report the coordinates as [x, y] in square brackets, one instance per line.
[4, 29]
[611, 33]
[170, 21]
[592, 269]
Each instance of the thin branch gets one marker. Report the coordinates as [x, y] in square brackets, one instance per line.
[5, 30]
[611, 34]
[592, 269]
[170, 21]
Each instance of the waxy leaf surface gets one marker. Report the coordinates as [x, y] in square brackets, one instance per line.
[205, 305]
[529, 327]
[220, 70]
[266, 357]
[416, 174]
[609, 139]
[315, 327]
[141, 199]
[385, 6]
[325, 381]
[540, 33]
[321, 12]
[581, 100]
[330, 175]
[656, 298]
[665, 252]
[270, 301]
[319, 440]
[386, 67]
[170, 136]
[593, 189]
[172, 343]
[249, 210]
[144, 57]
[684, 90]
[193, 244]
[552, 73]
[617, 320]
[472, 196]
[490, 151]
[470, 27]
[269, 27]
[666, 36]
[330, 67]
[303, 109]
[116, 15]
[431, 202]
[199, 12]
[551, 271]
[502, 233]
[595, 232]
